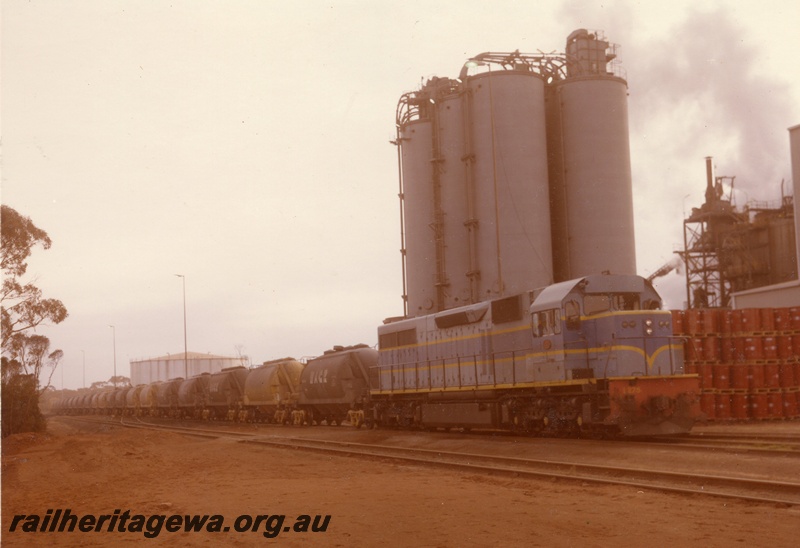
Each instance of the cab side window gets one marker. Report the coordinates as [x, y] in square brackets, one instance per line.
[572, 314]
[626, 301]
[545, 322]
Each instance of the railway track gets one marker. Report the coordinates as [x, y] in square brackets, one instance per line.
[730, 487]
[774, 445]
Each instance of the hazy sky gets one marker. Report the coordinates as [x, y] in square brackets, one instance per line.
[246, 146]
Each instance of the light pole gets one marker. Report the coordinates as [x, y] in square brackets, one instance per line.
[114, 332]
[185, 346]
[84, 366]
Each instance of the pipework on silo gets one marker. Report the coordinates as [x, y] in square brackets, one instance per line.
[515, 175]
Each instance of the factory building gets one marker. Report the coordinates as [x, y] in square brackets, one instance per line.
[173, 366]
[743, 257]
[515, 175]
[786, 293]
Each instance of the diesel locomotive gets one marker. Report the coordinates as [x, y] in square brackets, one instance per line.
[591, 355]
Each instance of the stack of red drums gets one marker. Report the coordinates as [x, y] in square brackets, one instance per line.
[748, 360]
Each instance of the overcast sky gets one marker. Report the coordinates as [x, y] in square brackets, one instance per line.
[245, 145]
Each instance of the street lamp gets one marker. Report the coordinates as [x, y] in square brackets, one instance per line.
[114, 332]
[84, 367]
[185, 346]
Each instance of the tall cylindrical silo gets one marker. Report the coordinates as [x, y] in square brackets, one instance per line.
[509, 173]
[591, 184]
[420, 247]
[455, 269]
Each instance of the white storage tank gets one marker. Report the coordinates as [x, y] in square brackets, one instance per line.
[431, 135]
[417, 196]
[590, 168]
[171, 366]
[509, 144]
[455, 268]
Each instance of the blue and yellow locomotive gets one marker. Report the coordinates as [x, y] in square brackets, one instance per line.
[595, 354]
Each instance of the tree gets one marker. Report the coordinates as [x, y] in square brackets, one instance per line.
[33, 353]
[25, 353]
[23, 307]
[20, 410]
[119, 381]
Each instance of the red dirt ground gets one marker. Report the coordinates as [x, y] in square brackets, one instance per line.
[94, 469]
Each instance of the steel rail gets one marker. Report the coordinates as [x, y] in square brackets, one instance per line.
[753, 490]
[748, 489]
[782, 448]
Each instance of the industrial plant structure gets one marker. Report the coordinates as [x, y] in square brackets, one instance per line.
[515, 175]
[739, 257]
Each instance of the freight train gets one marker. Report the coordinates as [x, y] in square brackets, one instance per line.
[591, 355]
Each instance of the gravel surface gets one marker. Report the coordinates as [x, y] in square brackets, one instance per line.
[96, 469]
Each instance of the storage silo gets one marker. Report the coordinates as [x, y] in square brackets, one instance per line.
[455, 198]
[590, 168]
[512, 209]
[417, 198]
[431, 136]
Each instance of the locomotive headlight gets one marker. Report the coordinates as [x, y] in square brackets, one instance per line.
[648, 323]
[649, 330]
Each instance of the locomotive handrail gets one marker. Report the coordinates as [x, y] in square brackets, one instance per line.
[400, 383]
[507, 374]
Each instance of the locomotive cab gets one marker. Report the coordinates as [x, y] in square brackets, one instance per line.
[611, 329]
[604, 326]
